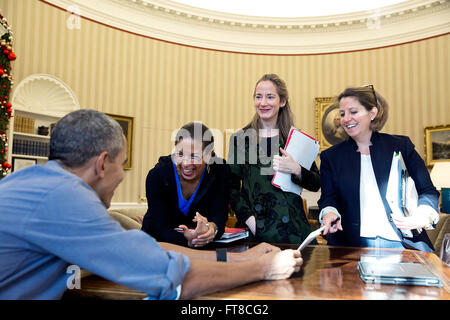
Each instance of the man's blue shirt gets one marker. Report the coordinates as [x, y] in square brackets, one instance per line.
[50, 219]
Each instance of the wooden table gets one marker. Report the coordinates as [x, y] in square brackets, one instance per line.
[327, 273]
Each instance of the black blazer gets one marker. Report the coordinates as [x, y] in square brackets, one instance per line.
[163, 214]
[340, 172]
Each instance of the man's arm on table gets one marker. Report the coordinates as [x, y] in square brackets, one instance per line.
[206, 276]
[210, 255]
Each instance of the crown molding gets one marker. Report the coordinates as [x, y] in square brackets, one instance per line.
[178, 23]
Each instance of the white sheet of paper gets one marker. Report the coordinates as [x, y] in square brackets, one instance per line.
[304, 150]
[310, 238]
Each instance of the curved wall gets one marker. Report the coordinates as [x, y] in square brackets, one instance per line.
[164, 85]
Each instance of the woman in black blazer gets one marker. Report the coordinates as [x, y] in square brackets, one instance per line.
[188, 191]
[354, 176]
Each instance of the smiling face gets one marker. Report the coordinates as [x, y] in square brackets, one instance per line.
[189, 160]
[355, 119]
[267, 101]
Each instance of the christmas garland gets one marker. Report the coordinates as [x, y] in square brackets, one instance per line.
[6, 56]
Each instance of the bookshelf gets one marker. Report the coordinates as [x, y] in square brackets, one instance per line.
[30, 135]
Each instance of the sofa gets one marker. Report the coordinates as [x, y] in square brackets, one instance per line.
[438, 234]
[129, 217]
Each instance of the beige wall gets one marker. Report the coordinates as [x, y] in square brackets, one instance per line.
[165, 85]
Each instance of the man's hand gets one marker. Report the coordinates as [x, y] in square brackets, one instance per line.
[259, 250]
[281, 265]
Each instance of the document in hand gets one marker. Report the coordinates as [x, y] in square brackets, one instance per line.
[310, 238]
[304, 150]
[401, 192]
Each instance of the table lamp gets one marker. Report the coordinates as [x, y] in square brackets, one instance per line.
[440, 176]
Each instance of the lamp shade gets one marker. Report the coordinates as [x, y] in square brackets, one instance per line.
[440, 175]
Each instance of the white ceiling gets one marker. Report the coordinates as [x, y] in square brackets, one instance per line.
[289, 8]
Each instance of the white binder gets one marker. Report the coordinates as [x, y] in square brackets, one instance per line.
[304, 150]
[401, 192]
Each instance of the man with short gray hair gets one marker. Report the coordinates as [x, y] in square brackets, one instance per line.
[54, 216]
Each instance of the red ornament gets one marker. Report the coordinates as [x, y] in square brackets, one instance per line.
[6, 51]
[2, 71]
[12, 56]
[9, 105]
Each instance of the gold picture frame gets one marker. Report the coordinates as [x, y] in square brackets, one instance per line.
[437, 144]
[328, 129]
[127, 124]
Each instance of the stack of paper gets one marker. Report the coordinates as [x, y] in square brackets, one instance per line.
[304, 150]
[233, 234]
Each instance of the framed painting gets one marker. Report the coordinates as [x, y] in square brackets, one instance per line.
[21, 163]
[127, 124]
[437, 144]
[327, 122]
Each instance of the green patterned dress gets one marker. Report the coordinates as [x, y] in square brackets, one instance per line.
[280, 217]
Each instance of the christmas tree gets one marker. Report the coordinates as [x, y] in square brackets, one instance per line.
[6, 56]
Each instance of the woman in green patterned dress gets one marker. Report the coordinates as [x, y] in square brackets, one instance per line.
[271, 214]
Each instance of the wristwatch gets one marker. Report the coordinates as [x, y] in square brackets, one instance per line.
[221, 254]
